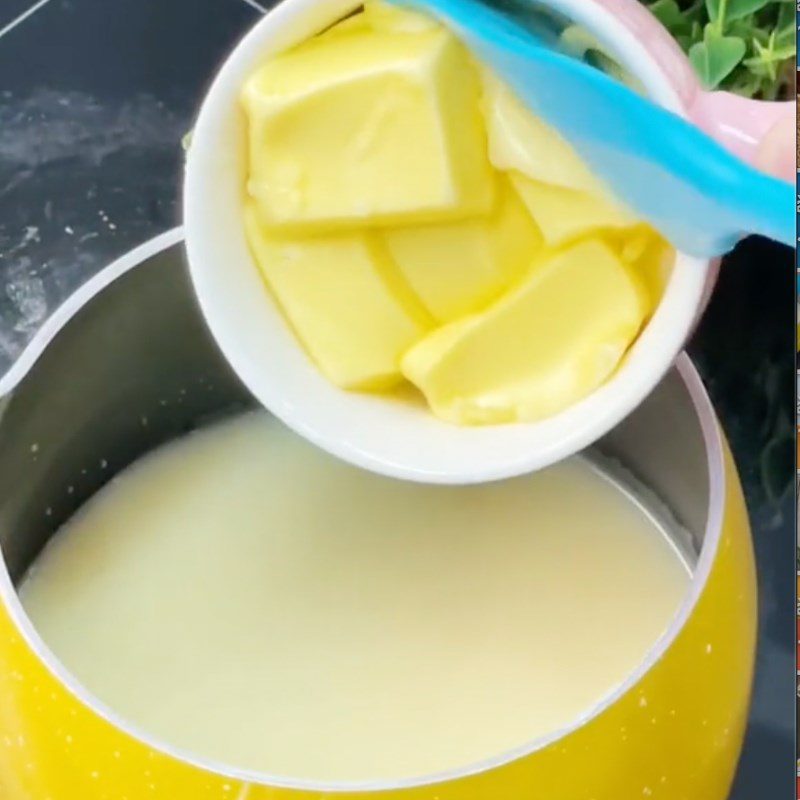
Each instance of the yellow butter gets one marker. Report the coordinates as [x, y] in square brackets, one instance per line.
[367, 129]
[521, 142]
[542, 347]
[413, 218]
[382, 16]
[344, 300]
[458, 268]
[651, 257]
[357, 23]
[565, 214]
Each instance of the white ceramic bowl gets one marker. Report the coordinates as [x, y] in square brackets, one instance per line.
[383, 435]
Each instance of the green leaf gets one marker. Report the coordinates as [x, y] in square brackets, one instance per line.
[743, 28]
[712, 6]
[787, 14]
[769, 59]
[669, 14]
[746, 31]
[716, 56]
[785, 50]
[767, 27]
[743, 8]
[765, 60]
[748, 84]
[696, 11]
[786, 28]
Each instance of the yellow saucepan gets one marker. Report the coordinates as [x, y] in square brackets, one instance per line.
[72, 415]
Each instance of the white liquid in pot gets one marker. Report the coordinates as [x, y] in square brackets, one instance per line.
[247, 598]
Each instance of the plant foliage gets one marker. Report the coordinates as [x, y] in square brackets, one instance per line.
[743, 46]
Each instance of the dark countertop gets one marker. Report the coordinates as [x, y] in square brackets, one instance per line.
[94, 99]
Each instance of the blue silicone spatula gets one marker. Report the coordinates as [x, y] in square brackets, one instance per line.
[701, 197]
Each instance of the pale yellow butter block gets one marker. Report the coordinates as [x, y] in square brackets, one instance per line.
[351, 311]
[367, 129]
[382, 16]
[521, 142]
[540, 348]
[650, 257]
[357, 23]
[459, 268]
[565, 214]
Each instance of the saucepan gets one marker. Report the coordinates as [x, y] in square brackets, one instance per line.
[127, 364]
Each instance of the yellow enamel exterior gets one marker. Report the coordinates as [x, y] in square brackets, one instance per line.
[676, 735]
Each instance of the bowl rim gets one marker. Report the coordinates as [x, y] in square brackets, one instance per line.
[518, 448]
[717, 494]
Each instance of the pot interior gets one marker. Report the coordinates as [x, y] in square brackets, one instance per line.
[133, 369]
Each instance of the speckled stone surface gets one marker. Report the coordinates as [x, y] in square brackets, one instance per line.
[94, 99]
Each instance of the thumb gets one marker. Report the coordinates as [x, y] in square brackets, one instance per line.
[777, 153]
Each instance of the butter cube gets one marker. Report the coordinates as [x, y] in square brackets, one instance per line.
[343, 298]
[650, 257]
[357, 23]
[540, 348]
[521, 142]
[367, 129]
[566, 214]
[460, 267]
[382, 16]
